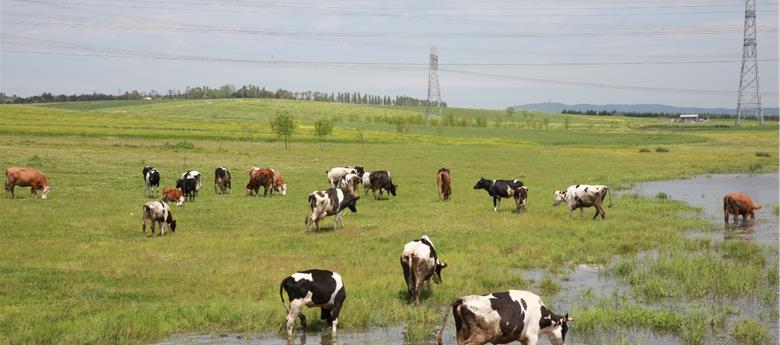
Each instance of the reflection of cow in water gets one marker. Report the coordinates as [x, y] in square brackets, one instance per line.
[739, 204]
[26, 177]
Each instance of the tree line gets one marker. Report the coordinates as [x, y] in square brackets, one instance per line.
[225, 91]
[654, 114]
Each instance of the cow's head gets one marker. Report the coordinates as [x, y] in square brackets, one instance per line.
[45, 193]
[558, 197]
[483, 184]
[350, 202]
[171, 222]
[755, 208]
[359, 170]
[282, 189]
[392, 188]
[180, 184]
[437, 271]
[559, 328]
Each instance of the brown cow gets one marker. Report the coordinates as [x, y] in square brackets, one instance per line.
[739, 204]
[444, 182]
[26, 177]
[173, 194]
[260, 178]
[279, 184]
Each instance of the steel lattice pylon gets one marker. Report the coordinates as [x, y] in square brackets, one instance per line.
[749, 99]
[434, 93]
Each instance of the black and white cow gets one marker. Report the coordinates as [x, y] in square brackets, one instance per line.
[504, 317]
[194, 175]
[158, 212]
[582, 196]
[330, 202]
[189, 187]
[420, 264]
[504, 189]
[348, 183]
[335, 174]
[151, 180]
[313, 288]
[381, 180]
[222, 180]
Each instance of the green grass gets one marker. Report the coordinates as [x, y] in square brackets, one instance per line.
[751, 332]
[76, 268]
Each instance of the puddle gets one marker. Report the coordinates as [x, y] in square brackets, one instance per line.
[705, 192]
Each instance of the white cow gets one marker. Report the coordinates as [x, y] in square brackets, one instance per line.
[582, 196]
[335, 174]
[158, 212]
[420, 263]
[504, 317]
[366, 181]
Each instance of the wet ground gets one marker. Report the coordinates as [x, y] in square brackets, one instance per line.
[705, 192]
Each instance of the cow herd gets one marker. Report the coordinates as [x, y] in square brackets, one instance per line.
[498, 318]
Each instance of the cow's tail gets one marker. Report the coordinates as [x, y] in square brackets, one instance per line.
[455, 307]
[610, 197]
[281, 295]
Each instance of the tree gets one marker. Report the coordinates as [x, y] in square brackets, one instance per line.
[323, 128]
[283, 124]
[509, 112]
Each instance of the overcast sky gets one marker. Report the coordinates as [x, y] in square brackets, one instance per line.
[492, 54]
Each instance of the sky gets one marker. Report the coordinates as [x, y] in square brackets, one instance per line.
[492, 54]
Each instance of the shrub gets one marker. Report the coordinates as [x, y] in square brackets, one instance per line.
[643, 150]
[751, 332]
[661, 149]
[662, 195]
[763, 154]
[183, 145]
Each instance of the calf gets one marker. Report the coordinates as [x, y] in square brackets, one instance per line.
[444, 183]
[173, 194]
[222, 180]
[381, 180]
[504, 317]
[26, 177]
[189, 187]
[279, 184]
[739, 204]
[157, 212]
[582, 196]
[313, 288]
[336, 173]
[151, 179]
[420, 263]
[329, 202]
[504, 189]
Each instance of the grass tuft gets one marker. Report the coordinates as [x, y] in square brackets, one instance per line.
[751, 332]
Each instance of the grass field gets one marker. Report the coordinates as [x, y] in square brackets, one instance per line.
[77, 269]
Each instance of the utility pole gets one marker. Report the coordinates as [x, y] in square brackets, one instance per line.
[749, 99]
[434, 93]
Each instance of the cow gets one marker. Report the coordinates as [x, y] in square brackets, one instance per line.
[329, 202]
[739, 204]
[189, 187]
[444, 183]
[504, 317]
[151, 180]
[582, 196]
[336, 173]
[173, 194]
[504, 189]
[222, 180]
[158, 212]
[381, 180]
[195, 175]
[366, 179]
[313, 288]
[279, 184]
[261, 178]
[348, 183]
[420, 264]
[26, 177]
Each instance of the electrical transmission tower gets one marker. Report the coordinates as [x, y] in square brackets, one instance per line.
[434, 93]
[749, 99]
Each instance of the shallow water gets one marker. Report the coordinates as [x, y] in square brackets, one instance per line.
[705, 192]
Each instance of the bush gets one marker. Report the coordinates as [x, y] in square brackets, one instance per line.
[755, 167]
[661, 149]
[184, 145]
[763, 154]
[662, 195]
[643, 150]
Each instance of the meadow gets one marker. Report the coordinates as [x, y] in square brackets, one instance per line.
[76, 268]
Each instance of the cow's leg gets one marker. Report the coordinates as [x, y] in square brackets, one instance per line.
[143, 228]
[582, 213]
[295, 308]
[495, 204]
[339, 220]
[337, 303]
[162, 228]
[407, 273]
[418, 285]
[531, 339]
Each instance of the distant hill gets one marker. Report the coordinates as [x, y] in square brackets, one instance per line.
[637, 108]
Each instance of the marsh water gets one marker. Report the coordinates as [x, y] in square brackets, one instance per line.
[704, 192]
